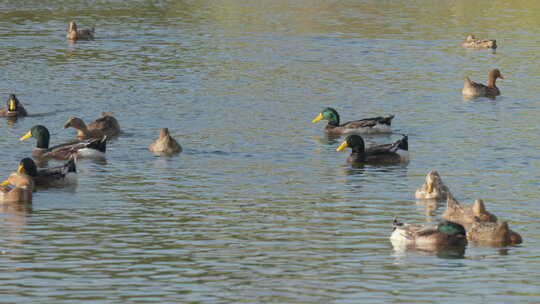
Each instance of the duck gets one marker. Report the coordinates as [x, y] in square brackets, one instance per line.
[433, 188]
[395, 153]
[14, 108]
[63, 175]
[466, 215]
[92, 149]
[474, 89]
[22, 189]
[374, 125]
[106, 125]
[444, 234]
[472, 42]
[76, 34]
[165, 144]
[492, 233]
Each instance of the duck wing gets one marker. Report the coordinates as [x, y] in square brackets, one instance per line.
[55, 174]
[107, 124]
[368, 122]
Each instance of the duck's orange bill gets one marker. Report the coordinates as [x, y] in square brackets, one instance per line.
[5, 183]
[342, 146]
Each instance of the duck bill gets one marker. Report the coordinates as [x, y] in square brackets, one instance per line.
[5, 183]
[20, 169]
[501, 76]
[12, 105]
[318, 118]
[26, 136]
[429, 187]
[67, 125]
[342, 146]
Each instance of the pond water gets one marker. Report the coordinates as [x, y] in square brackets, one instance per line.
[259, 208]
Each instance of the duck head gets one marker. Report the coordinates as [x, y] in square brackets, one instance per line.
[13, 103]
[329, 114]
[451, 228]
[41, 134]
[355, 142]
[27, 166]
[433, 179]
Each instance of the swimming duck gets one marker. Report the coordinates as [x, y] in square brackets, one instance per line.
[93, 149]
[443, 234]
[14, 108]
[76, 34]
[433, 188]
[474, 43]
[165, 144]
[363, 126]
[474, 89]
[105, 125]
[397, 152]
[22, 190]
[497, 234]
[466, 215]
[65, 174]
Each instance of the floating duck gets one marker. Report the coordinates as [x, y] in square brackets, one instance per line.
[76, 34]
[63, 175]
[165, 144]
[375, 125]
[106, 125]
[443, 234]
[395, 153]
[22, 190]
[14, 108]
[433, 188]
[474, 89]
[466, 215]
[472, 42]
[93, 149]
[490, 233]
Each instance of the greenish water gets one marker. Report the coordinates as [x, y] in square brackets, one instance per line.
[259, 208]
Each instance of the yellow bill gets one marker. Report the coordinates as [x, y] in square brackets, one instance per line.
[26, 136]
[429, 187]
[318, 118]
[5, 183]
[342, 146]
[21, 169]
[12, 105]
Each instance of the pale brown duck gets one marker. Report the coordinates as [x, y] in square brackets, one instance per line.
[76, 34]
[165, 144]
[474, 89]
[472, 42]
[106, 125]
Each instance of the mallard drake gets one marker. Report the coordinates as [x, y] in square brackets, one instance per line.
[474, 89]
[443, 234]
[472, 42]
[495, 234]
[14, 108]
[22, 190]
[165, 144]
[466, 215]
[363, 126]
[433, 188]
[63, 175]
[93, 149]
[106, 125]
[397, 152]
[76, 34]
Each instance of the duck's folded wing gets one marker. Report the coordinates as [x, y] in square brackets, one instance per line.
[368, 122]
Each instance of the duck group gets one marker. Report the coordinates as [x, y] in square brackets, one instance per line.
[461, 224]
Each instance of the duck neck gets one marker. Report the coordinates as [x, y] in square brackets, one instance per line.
[491, 81]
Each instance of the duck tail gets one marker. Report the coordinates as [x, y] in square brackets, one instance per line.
[72, 168]
[403, 143]
[98, 144]
[387, 120]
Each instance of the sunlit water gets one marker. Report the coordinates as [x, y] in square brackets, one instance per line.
[259, 208]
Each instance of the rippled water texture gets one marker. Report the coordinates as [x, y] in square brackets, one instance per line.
[259, 208]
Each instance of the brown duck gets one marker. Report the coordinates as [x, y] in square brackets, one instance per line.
[472, 42]
[494, 234]
[76, 34]
[165, 144]
[22, 190]
[474, 89]
[106, 125]
[14, 108]
[466, 215]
